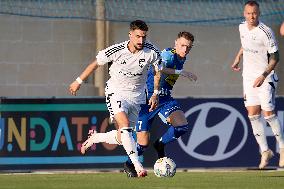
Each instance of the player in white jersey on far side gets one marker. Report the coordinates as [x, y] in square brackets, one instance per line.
[125, 90]
[260, 56]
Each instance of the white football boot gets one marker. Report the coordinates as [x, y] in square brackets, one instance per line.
[265, 157]
[88, 143]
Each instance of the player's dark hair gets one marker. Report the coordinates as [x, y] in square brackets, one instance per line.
[138, 25]
[252, 3]
[186, 35]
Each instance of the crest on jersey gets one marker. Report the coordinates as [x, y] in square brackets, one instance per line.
[141, 62]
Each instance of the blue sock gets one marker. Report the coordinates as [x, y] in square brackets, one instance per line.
[173, 133]
[140, 150]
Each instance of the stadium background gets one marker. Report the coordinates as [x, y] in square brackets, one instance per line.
[44, 45]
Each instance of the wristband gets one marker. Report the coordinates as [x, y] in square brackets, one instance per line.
[79, 80]
[178, 72]
[156, 92]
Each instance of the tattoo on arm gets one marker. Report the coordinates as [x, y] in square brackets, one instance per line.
[273, 60]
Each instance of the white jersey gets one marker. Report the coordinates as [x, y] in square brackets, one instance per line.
[257, 44]
[128, 72]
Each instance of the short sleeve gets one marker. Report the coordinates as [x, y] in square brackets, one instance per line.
[102, 58]
[166, 57]
[270, 42]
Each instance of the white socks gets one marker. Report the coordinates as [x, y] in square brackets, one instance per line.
[274, 123]
[129, 145]
[108, 137]
[258, 131]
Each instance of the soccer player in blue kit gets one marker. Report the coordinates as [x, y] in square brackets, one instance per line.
[173, 60]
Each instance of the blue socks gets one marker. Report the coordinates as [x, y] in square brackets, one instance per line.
[173, 133]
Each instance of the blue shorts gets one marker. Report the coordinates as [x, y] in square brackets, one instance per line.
[145, 119]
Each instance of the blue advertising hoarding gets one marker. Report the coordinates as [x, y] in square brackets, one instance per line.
[220, 135]
[47, 133]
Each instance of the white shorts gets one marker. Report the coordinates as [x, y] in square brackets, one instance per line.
[263, 95]
[116, 103]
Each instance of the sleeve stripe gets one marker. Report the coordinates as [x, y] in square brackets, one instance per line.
[266, 31]
[114, 50]
[150, 46]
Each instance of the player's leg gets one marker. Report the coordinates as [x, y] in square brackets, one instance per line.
[142, 128]
[94, 138]
[177, 122]
[259, 134]
[268, 105]
[126, 122]
[142, 144]
[110, 137]
[252, 104]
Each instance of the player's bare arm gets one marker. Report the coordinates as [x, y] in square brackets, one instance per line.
[273, 60]
[154, 100]
[282, 29]
[236, 63]
[191, 76]
[74, 87]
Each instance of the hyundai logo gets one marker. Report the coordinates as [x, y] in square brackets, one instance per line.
[223, 129]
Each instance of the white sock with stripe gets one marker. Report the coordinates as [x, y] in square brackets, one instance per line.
[258, 131]
[275, 125]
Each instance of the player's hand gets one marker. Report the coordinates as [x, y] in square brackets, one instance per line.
[235, 65]
[74, 87]
[153, 102]
[259, 81]
[189, 75]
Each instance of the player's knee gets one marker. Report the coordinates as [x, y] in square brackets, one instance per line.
[177, 118]
[253, 118]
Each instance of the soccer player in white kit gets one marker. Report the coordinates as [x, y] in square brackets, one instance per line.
[125, 90]
[260, 56]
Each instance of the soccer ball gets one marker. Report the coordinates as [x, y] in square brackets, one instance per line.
[165, 167]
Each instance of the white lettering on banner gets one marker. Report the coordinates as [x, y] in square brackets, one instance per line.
[224, 130]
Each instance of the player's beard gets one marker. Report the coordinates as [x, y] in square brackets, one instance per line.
[139, 46]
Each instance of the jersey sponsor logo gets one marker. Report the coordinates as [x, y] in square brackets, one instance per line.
[230, 122]
[171, 79]
[130, 73]
[251, 50]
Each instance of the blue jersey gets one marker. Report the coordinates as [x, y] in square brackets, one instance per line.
[167, 104]
[169, 60]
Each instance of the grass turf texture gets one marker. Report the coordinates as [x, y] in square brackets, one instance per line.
[200, 180]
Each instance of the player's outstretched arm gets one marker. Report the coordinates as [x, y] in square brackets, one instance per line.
[154, 100]
[191, 76]
[282, 29]
[74, 87]
[235, 65]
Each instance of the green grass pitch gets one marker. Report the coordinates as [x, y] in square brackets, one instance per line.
[182, 180]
